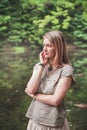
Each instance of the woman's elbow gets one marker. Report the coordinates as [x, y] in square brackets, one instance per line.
[28, 91]
[56, 102]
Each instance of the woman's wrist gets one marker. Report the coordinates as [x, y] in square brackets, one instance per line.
[41, 64]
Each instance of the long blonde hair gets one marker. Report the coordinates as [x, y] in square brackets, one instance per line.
[57, 39]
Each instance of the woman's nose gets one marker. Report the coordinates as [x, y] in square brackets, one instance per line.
[44, 48]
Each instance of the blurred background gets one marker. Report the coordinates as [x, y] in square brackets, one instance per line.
[22, 25]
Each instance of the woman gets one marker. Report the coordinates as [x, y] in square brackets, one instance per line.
[48, 85]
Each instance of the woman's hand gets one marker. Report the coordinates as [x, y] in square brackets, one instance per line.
[43, 59]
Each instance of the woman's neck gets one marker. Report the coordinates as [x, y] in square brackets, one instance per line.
[56, 65]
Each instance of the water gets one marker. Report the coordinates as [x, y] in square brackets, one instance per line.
[16, 64]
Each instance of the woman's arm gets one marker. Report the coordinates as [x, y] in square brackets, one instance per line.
[60, 92]
[35, 79]
[33, 84]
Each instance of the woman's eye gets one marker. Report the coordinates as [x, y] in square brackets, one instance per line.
[50, 45]
[47, 45]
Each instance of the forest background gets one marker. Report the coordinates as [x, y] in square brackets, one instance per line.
[25, 21]
[22, 25]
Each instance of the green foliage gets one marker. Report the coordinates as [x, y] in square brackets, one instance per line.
[4, 19]
[80, 31]
[81, 63]
[25, 21]
[19, 50]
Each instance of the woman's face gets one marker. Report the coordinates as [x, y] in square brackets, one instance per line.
[49, 49]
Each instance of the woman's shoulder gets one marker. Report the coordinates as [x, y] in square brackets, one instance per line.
[67, 70]
[67, 66]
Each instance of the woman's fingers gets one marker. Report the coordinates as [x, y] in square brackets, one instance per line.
[42, 58]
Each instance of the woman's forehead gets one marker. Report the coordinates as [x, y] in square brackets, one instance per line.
[46, 40]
